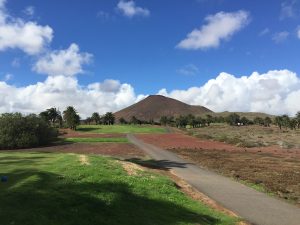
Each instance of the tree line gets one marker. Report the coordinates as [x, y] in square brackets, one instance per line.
[232, 119]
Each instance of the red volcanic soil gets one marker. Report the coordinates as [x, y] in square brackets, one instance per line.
[68, 133]
[123, 150]
[181, 141]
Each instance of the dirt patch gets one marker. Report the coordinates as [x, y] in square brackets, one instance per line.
[267, 172]
[84, 160]
[132, 169]
[122, 150]
[68, 133]
[181, 141]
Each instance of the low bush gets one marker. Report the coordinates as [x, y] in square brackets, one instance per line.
[18, 131]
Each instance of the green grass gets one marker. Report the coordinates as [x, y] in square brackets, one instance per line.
[54, 188]
[121, 129]
[95, 140]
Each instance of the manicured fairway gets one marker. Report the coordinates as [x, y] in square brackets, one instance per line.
[121, 129]
[51, 188]
[95, 140]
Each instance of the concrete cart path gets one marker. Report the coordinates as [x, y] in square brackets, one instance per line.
[253, 206]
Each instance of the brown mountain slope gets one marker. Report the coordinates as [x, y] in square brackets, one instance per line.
[156, 106]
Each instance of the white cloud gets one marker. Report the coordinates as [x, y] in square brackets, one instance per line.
[2, 3]
[274, 92]
[220, 26]
[298, 32]
[129, 9]
[29, 10]
[189, 69]
[8, 77]
[280, 36]
[16, 33]
[288, 9]
[16, 63]
[103, 15]
[264, 32]
[66, 62]
[61, 91]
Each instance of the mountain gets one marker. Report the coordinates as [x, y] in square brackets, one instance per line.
[155, 106]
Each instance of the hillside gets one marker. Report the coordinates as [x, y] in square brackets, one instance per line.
[156, 106]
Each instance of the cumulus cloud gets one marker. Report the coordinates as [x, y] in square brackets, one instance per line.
[289, 9]
[62, 91]
[16, 62]
[15, 33]
[29, 10]
[298, 32]
[264, 32]
[280, 36]
[67, 62]
[129, 9]
[8, 77]
[189, 69]
[274, 92]
[220, 26]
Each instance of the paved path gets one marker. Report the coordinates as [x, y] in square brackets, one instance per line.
[255, 207]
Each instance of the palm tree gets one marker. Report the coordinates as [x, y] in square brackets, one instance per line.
[109, 118]
[53, 115]
[71, 117]
[96, 117]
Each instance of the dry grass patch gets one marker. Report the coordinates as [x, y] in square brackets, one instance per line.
[84, 160]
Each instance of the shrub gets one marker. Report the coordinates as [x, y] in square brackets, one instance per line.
[17, 131]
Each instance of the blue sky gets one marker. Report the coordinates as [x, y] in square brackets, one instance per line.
[142, 48]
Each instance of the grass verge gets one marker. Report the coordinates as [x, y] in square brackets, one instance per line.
[52, 188]
[109, 129]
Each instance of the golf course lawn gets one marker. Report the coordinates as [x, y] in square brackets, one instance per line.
[57, 188]
[95, 140]
[106, 129]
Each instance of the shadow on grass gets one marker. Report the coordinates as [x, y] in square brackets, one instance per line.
[158, 164]
[33, 198]
[9, 160]
[88, 129]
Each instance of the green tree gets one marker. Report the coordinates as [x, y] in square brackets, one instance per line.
[191, 120]
[267, 121]
[122, 121]
[298, 119]
[259, 121]
[278, 121]
[163, 120]
[245, 121]
[293, 124]
[109, 118]
[88, 120]
[209, 119]
[286, 121]
[96, 118]
[233, 119]
[18, 131]
[134, 120]
[181, 121]
[53, 116]
[71, 117]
